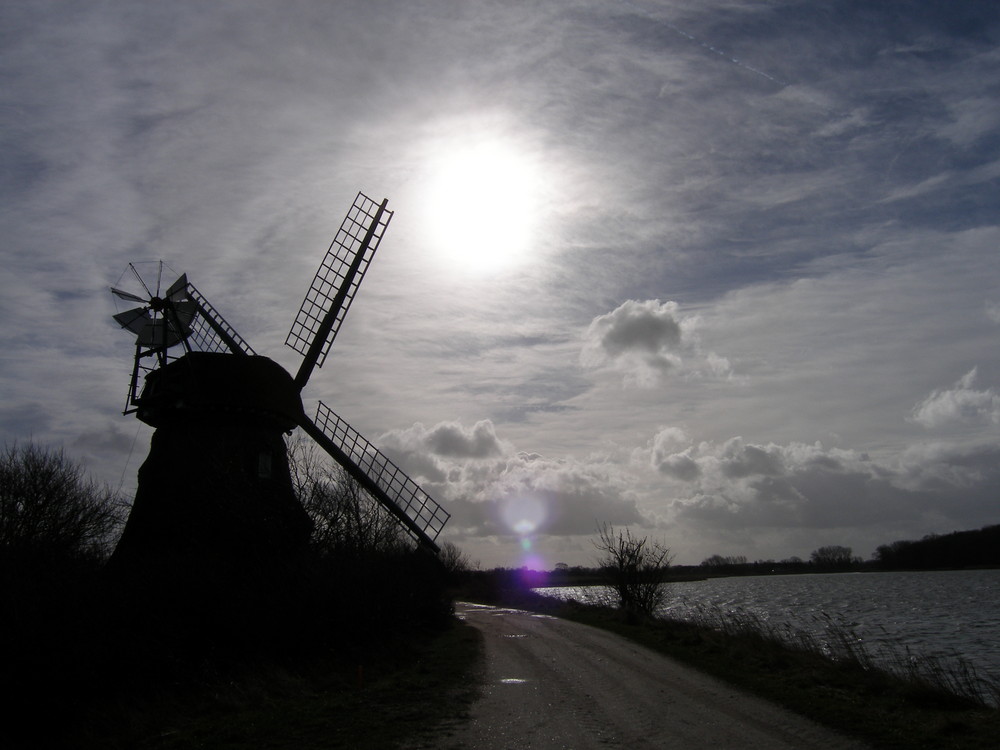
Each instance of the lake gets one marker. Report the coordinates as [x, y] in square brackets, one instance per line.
[942, 614]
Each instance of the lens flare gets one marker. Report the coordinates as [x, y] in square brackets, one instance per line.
[523, 515]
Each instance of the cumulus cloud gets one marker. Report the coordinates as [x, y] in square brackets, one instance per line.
[647, 341]
[960, 404]
[493, 489]
[666, 460]
[737, 484]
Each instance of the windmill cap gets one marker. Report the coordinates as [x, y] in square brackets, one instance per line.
[216, 384]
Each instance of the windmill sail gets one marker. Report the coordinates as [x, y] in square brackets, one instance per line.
[336, 282]
[421, 516]
[211, 332]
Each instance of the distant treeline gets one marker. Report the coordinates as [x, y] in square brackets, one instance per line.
[978, 548]
[960, 549]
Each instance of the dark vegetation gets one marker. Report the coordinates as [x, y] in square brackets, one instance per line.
[978, 548]
[352, 644]
[98, 660]
[960, 549]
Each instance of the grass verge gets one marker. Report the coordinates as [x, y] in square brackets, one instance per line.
[883, 709]
[400, 696]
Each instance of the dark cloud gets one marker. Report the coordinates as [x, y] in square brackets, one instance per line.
[646, 341]
[810, 487]
[25, 420]
[650, 327]
[739, 460]
[493, 489]
[112, 439]
[452, 440]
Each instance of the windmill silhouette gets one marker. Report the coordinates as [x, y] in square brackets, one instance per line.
[216, 483]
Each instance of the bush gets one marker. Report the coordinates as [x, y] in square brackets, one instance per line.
[637, 569]
[369, 580]
[56, 529]
[50, 511]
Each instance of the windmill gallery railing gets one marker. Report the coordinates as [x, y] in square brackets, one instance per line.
[421, 515]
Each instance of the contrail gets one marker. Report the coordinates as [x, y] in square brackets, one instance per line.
[721, 53]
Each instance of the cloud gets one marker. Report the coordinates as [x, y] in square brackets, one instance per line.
[493, 489]
[817, 237]
[25, 419]
[451, 439]
[645, 341]
[737, 484]
[428, 453]
[960, 404]
[112, 438]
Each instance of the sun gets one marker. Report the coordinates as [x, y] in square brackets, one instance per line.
[481, 204]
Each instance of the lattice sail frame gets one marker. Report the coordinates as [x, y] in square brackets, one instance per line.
[340, 273]
[422, 516]
[210, 331]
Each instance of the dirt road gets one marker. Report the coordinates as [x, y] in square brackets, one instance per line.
[550, 683]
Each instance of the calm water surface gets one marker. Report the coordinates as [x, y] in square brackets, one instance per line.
[943, 613]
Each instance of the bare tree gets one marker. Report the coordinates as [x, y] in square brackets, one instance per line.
[637, 568]
[48, 507]
[345, 518]
[720, 561]
[456, 563]
[833, 556]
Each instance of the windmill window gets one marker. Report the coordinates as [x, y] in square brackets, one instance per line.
[264, 465]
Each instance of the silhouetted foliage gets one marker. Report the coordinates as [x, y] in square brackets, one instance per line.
[636, 569]
[56, 528]
[367, 574]
[75, 636]
[833, 557]
[456, 563]
[960, 549]
[717, 561]
[346, 520]
[50, 510]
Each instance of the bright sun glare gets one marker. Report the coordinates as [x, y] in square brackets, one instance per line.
[481, 205]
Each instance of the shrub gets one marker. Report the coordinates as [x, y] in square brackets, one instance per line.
[636, 567]
[49, 510]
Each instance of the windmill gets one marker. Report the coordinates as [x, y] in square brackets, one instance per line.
[216, 480]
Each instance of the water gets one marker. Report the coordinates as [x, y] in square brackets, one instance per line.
[940, 614]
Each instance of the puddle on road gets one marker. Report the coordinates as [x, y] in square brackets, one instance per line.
[512, 681]
[515, 635]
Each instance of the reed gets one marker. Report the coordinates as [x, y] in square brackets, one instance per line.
[837, 640]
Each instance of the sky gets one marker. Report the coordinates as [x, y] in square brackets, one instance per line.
[721, 272]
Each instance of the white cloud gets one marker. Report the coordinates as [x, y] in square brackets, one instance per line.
[960, 404]
[993, 311]
[973, 118]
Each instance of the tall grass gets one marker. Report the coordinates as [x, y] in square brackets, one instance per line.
[834, 639]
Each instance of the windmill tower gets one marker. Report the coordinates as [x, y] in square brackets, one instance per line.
[215, 486]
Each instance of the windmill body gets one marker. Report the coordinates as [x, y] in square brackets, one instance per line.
[215, 488]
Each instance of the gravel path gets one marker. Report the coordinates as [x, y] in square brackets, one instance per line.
[550, 683]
